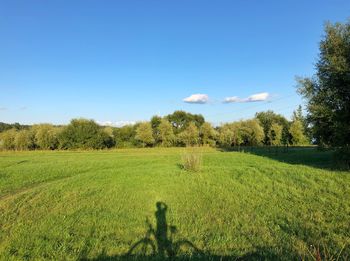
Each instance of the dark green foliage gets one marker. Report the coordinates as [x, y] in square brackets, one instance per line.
[328, 92]
[17, 126]
[84, 134]
[342, 157]
[181, 119]
[125, 136]
[155, 122]
[266, 119]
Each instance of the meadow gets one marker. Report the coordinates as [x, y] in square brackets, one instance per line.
[141, 204]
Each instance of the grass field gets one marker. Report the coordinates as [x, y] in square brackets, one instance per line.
[93, 205]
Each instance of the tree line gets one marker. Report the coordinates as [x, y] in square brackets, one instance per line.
[177, 129]
[327, 122]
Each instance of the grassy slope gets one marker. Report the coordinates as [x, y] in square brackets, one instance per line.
[73, 205]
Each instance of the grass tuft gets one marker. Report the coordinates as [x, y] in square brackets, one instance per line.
[192, 161]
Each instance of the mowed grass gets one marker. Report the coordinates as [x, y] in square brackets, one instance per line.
[93, 205]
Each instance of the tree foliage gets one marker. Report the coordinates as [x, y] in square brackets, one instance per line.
[83, 134]
[180, 120]
[8, 139]
[125, 136]
[24, 140]
[144, 133]
[267, 118]
[46, 136]
[328, 92]
[166, 133]
[208, 134]
[275, 134]
[297, 133]
[177, 129]
[190, 136]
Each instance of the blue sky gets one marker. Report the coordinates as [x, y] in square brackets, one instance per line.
[128, 60]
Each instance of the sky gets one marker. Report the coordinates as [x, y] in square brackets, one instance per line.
[124, 61]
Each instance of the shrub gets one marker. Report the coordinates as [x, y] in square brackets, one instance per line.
[24, 140]
[46, 136]
[84, 134]
[192, 161]
[7, 139]
[190, 136]
[144, 134]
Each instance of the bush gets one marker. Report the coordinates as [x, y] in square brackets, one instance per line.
[24, 140]
[7, 139]
[84, 134]
[192, 161]
[46, 136]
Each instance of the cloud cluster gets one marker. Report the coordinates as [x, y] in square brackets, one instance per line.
[115, 124]
[252, 98]
[197, 98]
[204, 98]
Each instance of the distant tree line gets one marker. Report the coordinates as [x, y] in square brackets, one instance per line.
[177, 129]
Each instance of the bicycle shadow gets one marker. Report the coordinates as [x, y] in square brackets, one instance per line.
[160, 242]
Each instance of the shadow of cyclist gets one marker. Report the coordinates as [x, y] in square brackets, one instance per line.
[163, 236]
[161, 232]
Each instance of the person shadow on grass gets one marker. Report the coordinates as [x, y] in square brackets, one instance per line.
[164, 245]
[161, 233]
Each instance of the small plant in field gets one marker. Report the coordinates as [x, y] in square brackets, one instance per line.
[192, 161]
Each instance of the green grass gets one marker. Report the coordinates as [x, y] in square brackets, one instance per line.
[93, 205]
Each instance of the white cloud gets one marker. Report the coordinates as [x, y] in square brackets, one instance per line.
[258, 97]
[3, 108]
[197, 98]
[232, 99]
[115, 124]
[123, 123]
[263, 96]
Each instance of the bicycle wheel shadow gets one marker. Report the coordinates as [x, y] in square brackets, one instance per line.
[159, 241]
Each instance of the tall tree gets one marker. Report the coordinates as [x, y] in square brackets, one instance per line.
[24, 140]
[46, 136]
[166, 133]
[83, 134]
[125, 136]
[190, 136]
[251, 132]
[328, 92]
[155, 122]
[181, 120]
[266, 119]
[298, 115]
[275, 134]
[208, 134]
[297, 133]
[230, 134]
[144, 133]
[7, 139]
